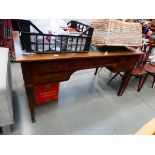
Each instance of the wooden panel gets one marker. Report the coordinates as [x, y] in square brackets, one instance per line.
[96, 62]
[49, 78]
[127, 64]
[49, 67]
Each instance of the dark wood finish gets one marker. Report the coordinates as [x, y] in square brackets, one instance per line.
[31, 101]
[54, 77]
[125, 80]
[138, 72]
[29, 89]
[44, 68]
[47, 68]
[141, 81]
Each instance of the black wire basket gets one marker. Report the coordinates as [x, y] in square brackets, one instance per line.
[40, 42]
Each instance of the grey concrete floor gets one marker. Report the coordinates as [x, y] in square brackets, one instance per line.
[87, 105]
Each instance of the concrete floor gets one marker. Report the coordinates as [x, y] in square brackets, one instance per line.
[87, 105]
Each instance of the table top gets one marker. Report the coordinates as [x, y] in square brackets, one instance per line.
[65, 56]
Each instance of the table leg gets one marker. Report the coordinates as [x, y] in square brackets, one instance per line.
[124, 83]
[153, 81]
[31, 101]
[96, 71]
[141, 82]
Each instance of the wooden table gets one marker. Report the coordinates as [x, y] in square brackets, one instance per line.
[39, 69]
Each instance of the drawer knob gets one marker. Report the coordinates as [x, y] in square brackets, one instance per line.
[54, 77]
[55, 66]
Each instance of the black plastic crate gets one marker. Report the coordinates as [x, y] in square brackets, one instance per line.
[49, 43]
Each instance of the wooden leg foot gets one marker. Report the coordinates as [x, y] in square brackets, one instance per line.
[141, 82]
[33, 121]
[124, 83]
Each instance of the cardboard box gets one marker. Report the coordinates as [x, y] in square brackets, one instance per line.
[46, 93]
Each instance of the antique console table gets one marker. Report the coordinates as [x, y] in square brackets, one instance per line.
[39, 69]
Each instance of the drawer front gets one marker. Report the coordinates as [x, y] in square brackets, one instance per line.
[126, 64]
[93, 63]
[49, 78]
[41, 68]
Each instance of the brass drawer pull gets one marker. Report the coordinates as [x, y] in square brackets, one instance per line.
[55, 66]
[54, 77]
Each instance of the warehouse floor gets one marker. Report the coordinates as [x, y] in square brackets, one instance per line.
[86, 105]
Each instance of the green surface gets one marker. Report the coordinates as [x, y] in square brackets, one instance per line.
[108, 49]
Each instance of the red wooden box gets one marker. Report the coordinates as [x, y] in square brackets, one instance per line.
[46, 93]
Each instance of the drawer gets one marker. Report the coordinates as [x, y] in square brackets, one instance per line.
[49, 78]
[97, 62]
[42, 68]
[126, 64]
